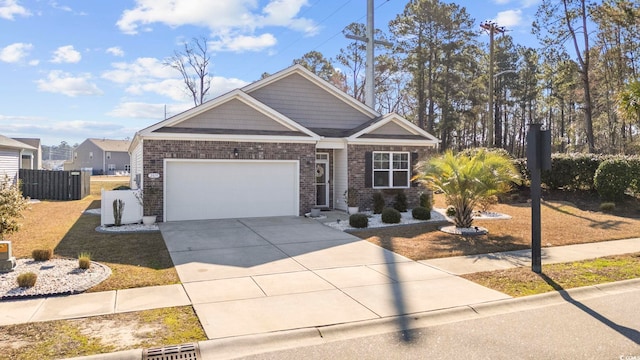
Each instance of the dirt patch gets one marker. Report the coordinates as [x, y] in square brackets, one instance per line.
[100, 334]
[124, 333]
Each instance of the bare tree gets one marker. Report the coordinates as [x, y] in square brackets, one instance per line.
[193, 65]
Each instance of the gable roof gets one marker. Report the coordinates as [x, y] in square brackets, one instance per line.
[14, 144]
[111, 145]
[292, 105]
[392, 128]
[35, 142]
[315, 79]
[290, 127]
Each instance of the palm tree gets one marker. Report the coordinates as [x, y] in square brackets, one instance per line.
[629, 101]
[467, 179]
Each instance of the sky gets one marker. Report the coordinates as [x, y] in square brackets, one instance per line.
[77, 69]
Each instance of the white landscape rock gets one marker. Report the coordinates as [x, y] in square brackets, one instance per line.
[375, 220]
[55, 276]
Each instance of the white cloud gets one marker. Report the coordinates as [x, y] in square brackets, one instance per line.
[530, 3]
[66, 54]
[501, 2]
[172, 88]
[141, 70]
[150, 75]
[233, 21]
[115, 51]
[509, 18]
[59, 82]
[10, 8]
[34, 62]
[140, 110]
[55, 5]
[15, 53]
[243, 43]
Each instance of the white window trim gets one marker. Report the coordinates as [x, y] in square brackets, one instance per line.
[390, 170]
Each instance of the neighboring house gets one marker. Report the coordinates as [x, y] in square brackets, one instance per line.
[101, 157]
[31, 159]
[11, 152]
[279, 146]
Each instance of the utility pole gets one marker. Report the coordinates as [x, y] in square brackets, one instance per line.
[493, 29]
[370, 88]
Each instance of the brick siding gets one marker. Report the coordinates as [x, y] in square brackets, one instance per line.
[155, 151]
[356, 158]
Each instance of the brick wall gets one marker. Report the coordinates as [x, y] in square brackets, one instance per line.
[356, 155]
[155, 151]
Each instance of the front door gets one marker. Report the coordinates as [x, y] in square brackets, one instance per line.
[322, 180]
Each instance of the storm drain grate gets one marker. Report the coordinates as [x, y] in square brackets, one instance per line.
[175, 352]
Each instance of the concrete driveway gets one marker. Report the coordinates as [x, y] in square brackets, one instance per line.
[256, 275]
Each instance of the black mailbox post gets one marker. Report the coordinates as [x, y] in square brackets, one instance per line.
[538, 159]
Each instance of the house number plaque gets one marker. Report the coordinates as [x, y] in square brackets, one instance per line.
[153, 176]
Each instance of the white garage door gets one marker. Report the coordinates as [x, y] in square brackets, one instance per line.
[219, 189]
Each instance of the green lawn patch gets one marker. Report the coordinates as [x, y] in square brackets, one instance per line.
[523, 282]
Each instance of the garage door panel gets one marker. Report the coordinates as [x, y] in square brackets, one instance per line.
[230, 189]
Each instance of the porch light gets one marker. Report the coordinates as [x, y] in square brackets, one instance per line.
[236, 153]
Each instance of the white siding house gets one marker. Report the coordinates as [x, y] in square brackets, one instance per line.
[11, 156]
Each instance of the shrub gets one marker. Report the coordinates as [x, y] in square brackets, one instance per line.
[42, 254]
[351, 197]
[118, 209]
[612, 178]
[84, 260]
[607, 206]
[426, 200]
[401, 202]
[122, 187]
[451, 211]
[378, 202]
[421, 213]
[486, 203]
[391, 216]
[27, 280]
[11, 206]
[358, 221]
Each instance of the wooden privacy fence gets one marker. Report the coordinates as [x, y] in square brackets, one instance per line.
[55, 185]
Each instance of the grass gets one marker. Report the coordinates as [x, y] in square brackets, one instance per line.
[523, 282]
[136, 260]
[100, 334]
[562, 224]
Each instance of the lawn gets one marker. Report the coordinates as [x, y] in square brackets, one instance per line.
[563, 223]
[136, 260]
[522, 281]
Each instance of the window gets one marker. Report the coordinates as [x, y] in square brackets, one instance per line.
[127, 168]
[111, 167]
[90, 154]
[108, 154]
[391, 169]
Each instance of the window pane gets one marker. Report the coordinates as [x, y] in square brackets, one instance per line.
[400, 178]
[380, 160]
[400, 161]
[381, 178]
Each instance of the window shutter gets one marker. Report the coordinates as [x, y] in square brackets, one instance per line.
[368, 166]
[414, 162]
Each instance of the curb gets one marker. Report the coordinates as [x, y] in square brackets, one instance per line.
[246, 345]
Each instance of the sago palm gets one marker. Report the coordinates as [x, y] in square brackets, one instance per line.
[466, 179]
